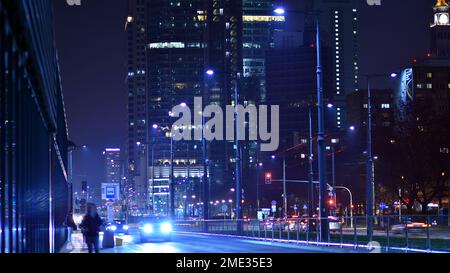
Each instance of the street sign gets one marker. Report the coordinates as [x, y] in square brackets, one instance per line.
[274, 206]
[110, 191]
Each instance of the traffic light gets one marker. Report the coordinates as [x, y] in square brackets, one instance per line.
[268, 178]
[84, 186]
[331, 202]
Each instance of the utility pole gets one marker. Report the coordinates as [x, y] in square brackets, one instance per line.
[238, 159]
[285, 200]
[258, 202]
[172, 179]
[333, 167]
[205, 176]
[369, 177]
[311, 206]
[321, 139]
[153, 177]
[448, 178]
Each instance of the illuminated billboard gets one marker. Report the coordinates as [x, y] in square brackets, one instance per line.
[404, 98]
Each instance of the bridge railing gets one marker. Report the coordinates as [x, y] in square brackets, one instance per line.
[390, 233]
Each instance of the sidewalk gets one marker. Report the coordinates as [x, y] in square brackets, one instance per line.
[76, 245]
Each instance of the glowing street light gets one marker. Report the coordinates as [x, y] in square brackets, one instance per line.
[280, 11]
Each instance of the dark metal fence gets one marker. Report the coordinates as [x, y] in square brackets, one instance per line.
[390, 233]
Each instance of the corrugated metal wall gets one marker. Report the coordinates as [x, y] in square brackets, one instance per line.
[33, 133]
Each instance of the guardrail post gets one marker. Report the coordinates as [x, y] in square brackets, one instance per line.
[388, 229]
[281, 232]
[407, 234]
[308, 225]
[259, 229]
[428, 234]
[342, 235]
[273, 232]
[317, 232]
[328, 233]
[289, 231]
[265, 232]
[355, 236]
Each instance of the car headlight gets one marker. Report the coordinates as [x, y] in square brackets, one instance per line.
[166, 228]
[148, 228]
[112, 228]
[126, 227]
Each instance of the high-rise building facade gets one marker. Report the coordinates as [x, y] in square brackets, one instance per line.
[175, 65]
[259, 27]
[223, 36]
[113, 165]
[171, 46]
[136, 81]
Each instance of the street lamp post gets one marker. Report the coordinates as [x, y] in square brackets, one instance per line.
[311, 169]
[321, 129]
[172, 179]
[447, 151]
[238, 159]
[370, 183]
[321, 138]
[351, 203]
[333, 164]
[258, 200]
[205, 185]
[285, 200]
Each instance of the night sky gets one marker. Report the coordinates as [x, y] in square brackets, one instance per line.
[92, 52]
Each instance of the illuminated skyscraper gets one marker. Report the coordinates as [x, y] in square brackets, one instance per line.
[259, 27]
[171, 45]
[136, 83]
[113, 166]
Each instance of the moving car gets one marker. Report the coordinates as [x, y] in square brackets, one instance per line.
[412, 227]
[155, 228]
[335, 223]
[118, 227]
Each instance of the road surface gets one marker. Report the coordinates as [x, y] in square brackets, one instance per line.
[193, 243]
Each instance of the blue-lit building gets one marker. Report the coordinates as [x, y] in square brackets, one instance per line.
[34, 188]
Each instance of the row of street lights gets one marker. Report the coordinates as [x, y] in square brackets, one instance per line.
[321, 147]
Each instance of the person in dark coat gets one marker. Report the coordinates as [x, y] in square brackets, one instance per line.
[90, 227]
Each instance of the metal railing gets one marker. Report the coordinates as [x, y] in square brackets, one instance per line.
[390, 233]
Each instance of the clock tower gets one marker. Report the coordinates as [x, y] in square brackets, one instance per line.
[440, 30]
